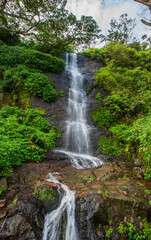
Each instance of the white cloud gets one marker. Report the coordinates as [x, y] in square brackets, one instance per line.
[111, 9]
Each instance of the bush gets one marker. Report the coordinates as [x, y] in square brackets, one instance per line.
[12, 56]
[23, 137]
[110, 146]
[102, 116]
[39, 85]
[21, 78]
[127, 108]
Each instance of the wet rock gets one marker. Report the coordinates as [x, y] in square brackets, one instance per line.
[23, 219]
[49, 197]
[85, 210]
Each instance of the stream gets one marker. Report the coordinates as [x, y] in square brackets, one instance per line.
[77, 145]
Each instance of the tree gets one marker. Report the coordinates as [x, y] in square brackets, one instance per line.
[47, 21]
[146, 41]
[121, 31]
[148, 4]
[24, 16]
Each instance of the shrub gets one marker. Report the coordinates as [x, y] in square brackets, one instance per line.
[110, 146]
[127, 79]
[39, 85]
[103, 116]
[23, 137]
[12, 56]
[19, 78]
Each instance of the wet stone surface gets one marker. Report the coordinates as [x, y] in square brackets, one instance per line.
[109, 192]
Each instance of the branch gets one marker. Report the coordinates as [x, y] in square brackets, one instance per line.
[146, 23]
[18, 16]
[146, 3]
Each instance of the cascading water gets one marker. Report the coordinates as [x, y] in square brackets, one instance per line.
[77, 145]
[52, 219]
[77, 137]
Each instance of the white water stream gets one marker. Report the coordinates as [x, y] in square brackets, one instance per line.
[77, 137]
[77, 145]
[52, 219]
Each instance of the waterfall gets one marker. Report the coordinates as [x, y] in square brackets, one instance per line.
[77, 147]
[77, 136]
[52, 219]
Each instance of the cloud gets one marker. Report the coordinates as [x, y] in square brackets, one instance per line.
[104, 11]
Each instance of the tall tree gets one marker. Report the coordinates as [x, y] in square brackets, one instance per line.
[121, 30]
[24, 16]
[47, 21]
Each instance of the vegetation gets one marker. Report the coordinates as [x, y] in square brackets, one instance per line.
[121, 30]
[126, 112]
[46, 194]
[47, 22]
[2, 190]
[25, 136]
[132, 232]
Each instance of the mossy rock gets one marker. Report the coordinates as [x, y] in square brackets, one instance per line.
[49, 196]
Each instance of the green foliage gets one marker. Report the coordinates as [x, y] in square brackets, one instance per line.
[129, 230]
[147, 191]
[108, 232]
[121, 30]
[98, 96]
[21, 78]
[2, 190]
[110, 146]
[40, 85]
[126, 112]
[89, 179]
[103, 116]
[34, 118]
[62, 93]
[88, 91]
[54, 51]
[54, 26]
[12, 56]
[106, 193]
[23, 137]
[45, 194]
[9, 38]
[121, 55]
[137, 140]
[98, 54]
[11, 205]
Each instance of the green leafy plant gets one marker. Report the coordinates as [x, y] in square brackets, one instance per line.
[62, 93]
[2, 190]
[98, 96]
[88, 91]
[24, 137]
[106, 193]
[89, 179]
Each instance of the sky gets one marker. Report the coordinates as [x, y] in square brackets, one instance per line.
[104, 11]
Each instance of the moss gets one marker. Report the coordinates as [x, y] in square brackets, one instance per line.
[45, 194]
[2, 190]
[38, 223]
[20, 99]
[89, 179]
[11, 205]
